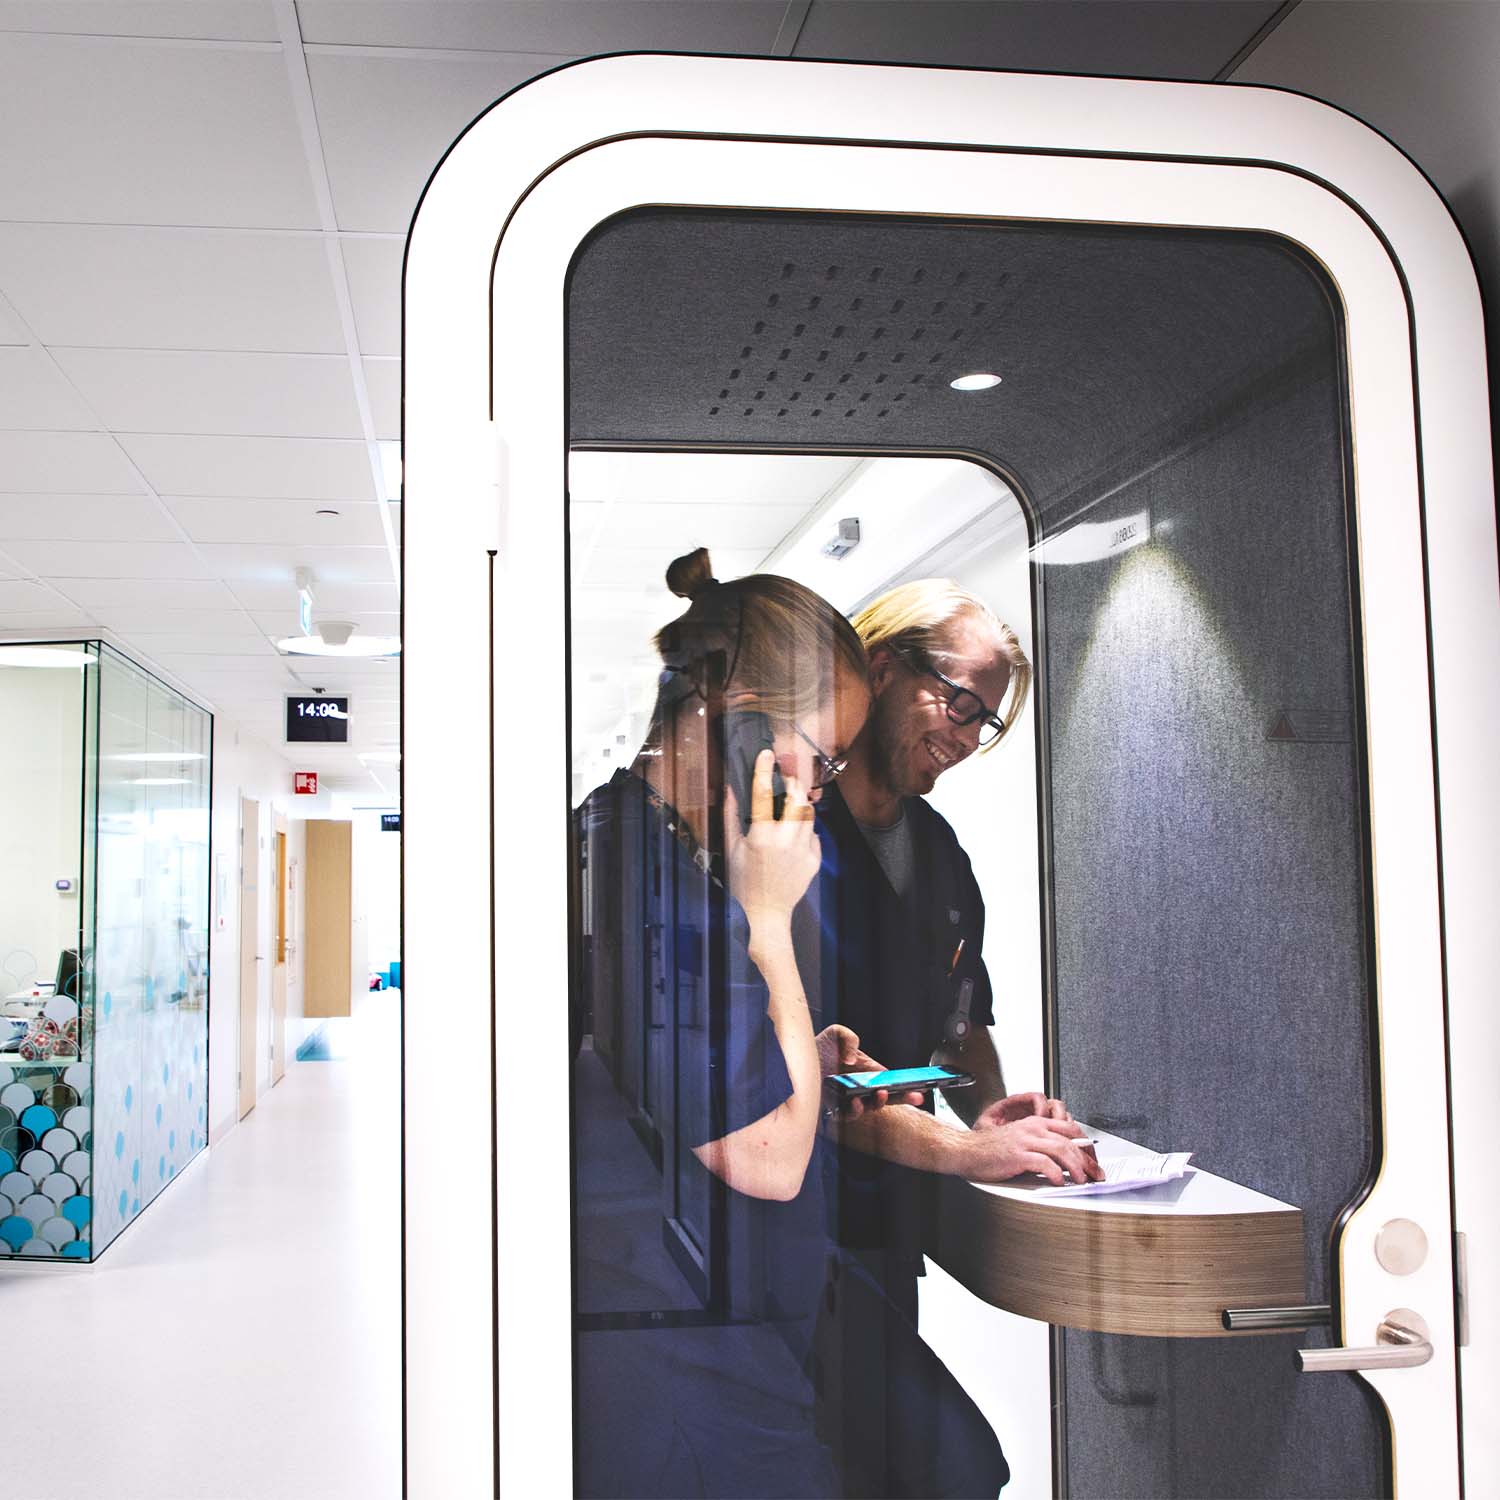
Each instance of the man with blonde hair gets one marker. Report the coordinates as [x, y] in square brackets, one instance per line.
[901, 932]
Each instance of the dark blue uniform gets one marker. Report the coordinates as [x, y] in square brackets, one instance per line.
[899, 1423]
[696, 1305]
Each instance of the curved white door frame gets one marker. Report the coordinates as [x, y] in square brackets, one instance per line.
[473, 486]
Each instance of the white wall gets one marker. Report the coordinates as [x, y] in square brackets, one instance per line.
[245, 767]
[41, 769]
[377, 893]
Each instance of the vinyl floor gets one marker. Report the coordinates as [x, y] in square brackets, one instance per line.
[242, 1339]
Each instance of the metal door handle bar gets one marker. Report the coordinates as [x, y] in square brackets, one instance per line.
[1309, 1315]
[1399, 1345]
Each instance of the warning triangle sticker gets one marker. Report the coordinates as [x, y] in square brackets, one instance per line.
[1282, 729]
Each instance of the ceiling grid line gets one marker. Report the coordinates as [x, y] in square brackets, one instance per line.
[305, 109]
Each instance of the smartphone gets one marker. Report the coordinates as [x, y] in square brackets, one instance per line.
[746, 733]
[898, 1081]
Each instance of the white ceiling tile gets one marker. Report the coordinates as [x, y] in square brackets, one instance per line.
[156, 593]
[218, 20]
[38, 622]
[383, 381]
[341, 600]
[17, 596]
[33, 394]
[148, 288]
[257, 395]
[106, 560]
[385, 123]
[221, 665]
[373, 270]
[11, 331]
[133, 620]
[580, 26]
[283, 468]
[201, 644]
[98, 518]
[265, 564]
[287, 521]
[79, 463]
[82, 118]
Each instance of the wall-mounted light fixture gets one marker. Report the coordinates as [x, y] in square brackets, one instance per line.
[1093, 541]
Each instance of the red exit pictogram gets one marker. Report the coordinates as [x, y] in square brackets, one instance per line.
[305, 783]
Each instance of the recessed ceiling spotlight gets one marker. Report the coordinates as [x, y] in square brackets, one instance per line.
[980, 380]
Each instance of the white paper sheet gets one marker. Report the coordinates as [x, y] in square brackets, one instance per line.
[1122, 1173]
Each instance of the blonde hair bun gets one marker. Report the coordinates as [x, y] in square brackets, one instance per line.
[692, 573]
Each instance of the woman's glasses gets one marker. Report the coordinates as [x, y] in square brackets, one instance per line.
[826, 767]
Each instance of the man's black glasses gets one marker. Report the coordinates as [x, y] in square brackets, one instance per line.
[964, 706]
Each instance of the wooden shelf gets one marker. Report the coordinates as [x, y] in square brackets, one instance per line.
[1164, 1260]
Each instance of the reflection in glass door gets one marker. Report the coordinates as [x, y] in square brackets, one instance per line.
[1173, 409]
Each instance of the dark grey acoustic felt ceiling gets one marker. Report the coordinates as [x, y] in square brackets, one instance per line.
[784, 330]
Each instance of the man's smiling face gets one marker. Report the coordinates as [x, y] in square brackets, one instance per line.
[912, 739]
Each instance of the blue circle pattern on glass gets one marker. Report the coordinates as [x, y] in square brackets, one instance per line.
[129, 1097]
[166, 1072]
[161, 1167]
[135, 1170]
[109, 1004]
[39, 1119]
[77, 1210]
[119, 1144]
[76, 1250]
[158, 1114]
[15, 1231]
[7, 1163]
[171, 1140]
[135, 1205]
[124, 1200]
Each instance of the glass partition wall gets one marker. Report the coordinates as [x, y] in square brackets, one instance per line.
[104, 1067]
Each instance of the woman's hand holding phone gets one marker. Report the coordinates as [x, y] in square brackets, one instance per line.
[771, 866]
[839, 1052]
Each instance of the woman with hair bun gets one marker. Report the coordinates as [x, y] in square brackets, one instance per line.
[701, 1256]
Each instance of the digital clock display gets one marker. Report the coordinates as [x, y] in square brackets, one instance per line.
[317, 721]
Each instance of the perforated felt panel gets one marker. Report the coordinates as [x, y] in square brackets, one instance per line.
[1209, 875]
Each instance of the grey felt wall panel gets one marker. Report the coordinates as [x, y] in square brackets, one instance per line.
[1209, 878]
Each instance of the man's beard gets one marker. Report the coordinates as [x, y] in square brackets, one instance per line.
[889, 758]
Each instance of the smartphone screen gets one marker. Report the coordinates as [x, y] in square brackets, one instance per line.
[899, 1079]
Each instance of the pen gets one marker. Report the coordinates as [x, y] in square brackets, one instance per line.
[957, 954]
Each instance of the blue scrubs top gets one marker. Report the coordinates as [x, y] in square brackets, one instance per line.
[696, 1305]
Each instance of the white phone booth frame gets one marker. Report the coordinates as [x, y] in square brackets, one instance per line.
[486, 1168]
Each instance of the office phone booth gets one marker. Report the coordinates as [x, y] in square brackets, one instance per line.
[1202, 497]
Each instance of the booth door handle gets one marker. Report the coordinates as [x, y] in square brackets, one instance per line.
[1401, 1341]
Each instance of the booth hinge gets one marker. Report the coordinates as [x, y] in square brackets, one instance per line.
[1461, 1285]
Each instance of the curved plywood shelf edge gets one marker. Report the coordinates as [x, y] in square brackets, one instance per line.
[1165, 1268]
